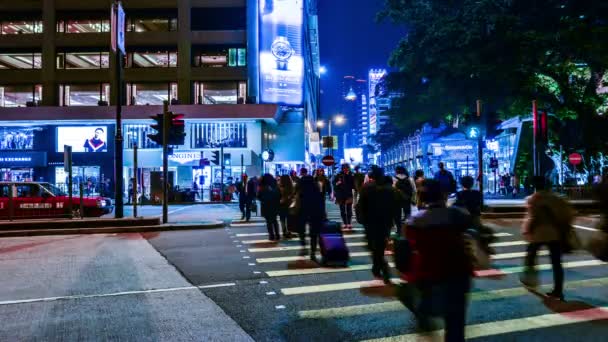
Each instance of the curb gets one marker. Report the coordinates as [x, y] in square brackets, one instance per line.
[113, 230]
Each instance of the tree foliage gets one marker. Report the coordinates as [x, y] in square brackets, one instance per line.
[505, 52]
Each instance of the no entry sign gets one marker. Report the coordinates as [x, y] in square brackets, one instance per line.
[575, 158]
[328, 160]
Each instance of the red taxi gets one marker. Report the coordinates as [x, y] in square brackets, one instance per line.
[43, 200]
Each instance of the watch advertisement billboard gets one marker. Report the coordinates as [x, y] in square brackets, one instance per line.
[281, 52]
[83, 138]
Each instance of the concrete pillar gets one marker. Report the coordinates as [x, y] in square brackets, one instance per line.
[184, 50]
[49, 67]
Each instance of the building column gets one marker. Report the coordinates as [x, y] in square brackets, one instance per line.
[184, 53]
[49, 87]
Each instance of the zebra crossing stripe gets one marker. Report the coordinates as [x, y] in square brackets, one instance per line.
[515, 325]
[374, 308]
[354, 229]
[502, 256]
[346, 236]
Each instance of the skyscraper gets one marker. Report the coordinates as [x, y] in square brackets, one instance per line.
[354, 107]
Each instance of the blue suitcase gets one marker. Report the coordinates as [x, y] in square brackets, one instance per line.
[333, 247]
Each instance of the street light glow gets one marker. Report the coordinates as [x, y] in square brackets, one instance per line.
[339, 119]
[322, 70]
[320, 124]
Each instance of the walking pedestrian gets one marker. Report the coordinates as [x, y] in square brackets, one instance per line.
[323, 181]
[311, 210]
[270, 200]
[446, 180]
[548, 221]
[405, 188]
[359, 181]
[287, 197]
[418, 180]
[344, 185]
[377, 207]
[439, 276]
[245, 198]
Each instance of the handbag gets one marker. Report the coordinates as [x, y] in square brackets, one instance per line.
[402, 254]
[598, 245]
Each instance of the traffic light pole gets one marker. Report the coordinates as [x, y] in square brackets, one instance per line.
[222, 172]
[166, 121]
[118, 139]
[480, 154]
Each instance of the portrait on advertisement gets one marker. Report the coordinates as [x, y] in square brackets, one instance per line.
[281, 58]
[83, 138]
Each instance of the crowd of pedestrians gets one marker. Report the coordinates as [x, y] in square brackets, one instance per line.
[443, 243]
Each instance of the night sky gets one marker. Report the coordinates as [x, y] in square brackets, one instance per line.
[351, 43]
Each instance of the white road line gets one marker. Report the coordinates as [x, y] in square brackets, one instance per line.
[251, 234]
[346, 236]
[509, 243]
[515, 325]
[296, 248]
[113, 294]
[248, 224]
[333, 287]
[586, 228]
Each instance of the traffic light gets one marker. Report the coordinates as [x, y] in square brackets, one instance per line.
[227, 161]
[177, 129]
[215, 157]
[158, 126]
[473, 132]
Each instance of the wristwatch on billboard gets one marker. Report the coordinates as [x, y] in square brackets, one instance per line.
[281, 50]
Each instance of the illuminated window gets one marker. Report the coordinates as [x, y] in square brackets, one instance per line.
[232, 57]
[159, 59]
[83, 60]
[29, 60]
[220, 92]
[83, 26]
[84, 94]
[20, 95]
[152, 24]
[138, 134]
[21, 27]
[151, 93]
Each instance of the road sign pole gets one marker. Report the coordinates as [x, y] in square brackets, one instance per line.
[165, 161]
[135, 180]
[480, 154]
[117, 43]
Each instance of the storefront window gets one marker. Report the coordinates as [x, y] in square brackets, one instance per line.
[233, 57]
[83, 60]
[220, 92]
[17, 138]
[20, 95]
[138, 134]
[83, 26]
[27, 60]
[89, 176]
[21, 27]
[212, 135]
[152, 24]
[84, 94]
[151, 93]
[159, 59]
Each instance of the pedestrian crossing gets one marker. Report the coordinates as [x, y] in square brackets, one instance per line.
[298, 283]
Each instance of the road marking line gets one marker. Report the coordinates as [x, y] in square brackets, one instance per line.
[501, 256]
[249, 224]
[263, 282]
[515, 325]
[508, 243]
[246, 257]
[280, 307]
[340, 286]
[333, 287]
[502, 234]
[271, 293]
[357, 310]
[113, 294]
[251, 234]
[251, 264]
[585, 228]
[346, 236]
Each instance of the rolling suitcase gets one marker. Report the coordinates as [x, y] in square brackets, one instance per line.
[333, 247]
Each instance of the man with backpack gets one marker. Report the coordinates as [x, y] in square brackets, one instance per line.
[446, 180]
[405, 192]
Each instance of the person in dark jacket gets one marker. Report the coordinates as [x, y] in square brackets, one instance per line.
[405, 189]
[246, 189]
[440, 268]
[323, 182]
[377, 207]
[446, 180]
[287, 198]
[270, 200]
[359, 180]
[311, 210]
[344, 185]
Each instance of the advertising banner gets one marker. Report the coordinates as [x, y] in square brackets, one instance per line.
[22, 159]
[281, 52]
[83, 138]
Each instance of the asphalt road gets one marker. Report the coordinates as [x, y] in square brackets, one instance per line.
[231, 285]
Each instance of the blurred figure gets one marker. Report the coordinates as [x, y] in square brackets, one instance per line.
[287, 197]
[311, 210]
[270, 200]
[405, 193]
[245, 198]
[418, 179]
[359, 181]
[323, 182]
[344, 185]
[547, 222]
[439, 276]
[446, 180]
[469, 199]
[376, 208]
[294, 177]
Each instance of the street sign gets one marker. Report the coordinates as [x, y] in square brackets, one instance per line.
[575, 159]
[67, 158]
[328, 160]
[118, 28]
[330, 142]
[493, 163]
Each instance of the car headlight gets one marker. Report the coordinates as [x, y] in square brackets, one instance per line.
[101, 203]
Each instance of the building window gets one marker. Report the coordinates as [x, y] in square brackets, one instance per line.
[213, 135]
[28, 60]
[17, 138]
[218, 18]
[151, 93]
[232, 57]
[138, 134]
[220, 92]
[20, 95]
[21, 27]
[152, 24]
[159, 59]
[84, 94]
[83, 26]
[83, 60]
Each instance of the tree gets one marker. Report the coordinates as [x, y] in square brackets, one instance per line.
[507, 53]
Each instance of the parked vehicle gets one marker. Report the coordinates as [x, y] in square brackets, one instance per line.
[27, 200]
